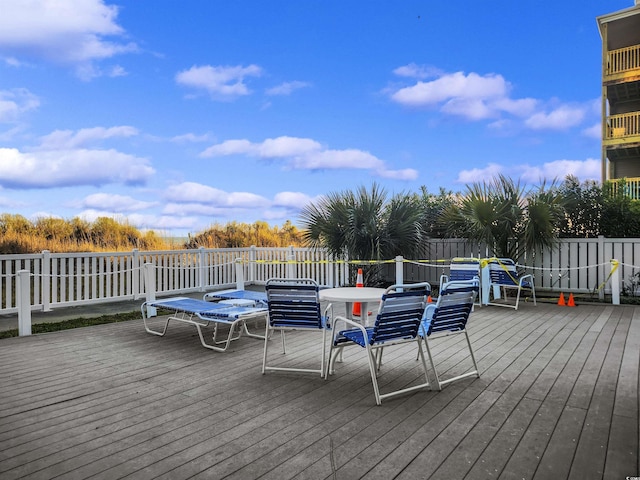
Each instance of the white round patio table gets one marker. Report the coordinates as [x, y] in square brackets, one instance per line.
[349, 295]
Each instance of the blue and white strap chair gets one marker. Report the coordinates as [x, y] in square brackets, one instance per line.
[462, 269]
[397, 323]
[504, 276]
[294, 304]
[449, 316]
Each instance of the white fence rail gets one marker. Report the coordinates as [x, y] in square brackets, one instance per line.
[69, 279]
[60, 280]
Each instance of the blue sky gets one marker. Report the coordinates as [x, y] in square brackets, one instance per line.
[175, 115]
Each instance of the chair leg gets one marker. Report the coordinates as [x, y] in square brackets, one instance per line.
[374, 378]
[433, 365]
[266, 344]
[473, 357]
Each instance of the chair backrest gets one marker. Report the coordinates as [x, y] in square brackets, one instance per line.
[452, 310]
[503, 271]
[461, 269]
[400, 313]
[293, 303]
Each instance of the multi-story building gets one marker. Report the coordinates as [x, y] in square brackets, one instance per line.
[620, 32]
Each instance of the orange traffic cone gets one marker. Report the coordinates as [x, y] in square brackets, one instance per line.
[359, 283]
[429, 299]
[571, 302]
[561, 300]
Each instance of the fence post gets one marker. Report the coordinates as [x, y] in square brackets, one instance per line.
[252, 266]
[615, 282]
[136, 274]
[202, 270]
[24, 303]
[600, 262]
[46, 281]
[399, 270]
[291, 271]
[485, 281]
[239, 274]
[150, 287]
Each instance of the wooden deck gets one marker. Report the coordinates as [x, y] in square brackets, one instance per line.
[557, 398]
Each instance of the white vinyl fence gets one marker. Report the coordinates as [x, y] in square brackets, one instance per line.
[66, 279]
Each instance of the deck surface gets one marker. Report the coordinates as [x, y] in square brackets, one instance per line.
[557, 398]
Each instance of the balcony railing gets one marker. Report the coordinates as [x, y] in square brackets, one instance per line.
[623, 60]
[623, 125]
[630, 187]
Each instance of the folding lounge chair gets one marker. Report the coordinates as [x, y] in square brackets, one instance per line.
[449, 316]
[295, 305]
[397, 323]
[200, 313]
[504, 277]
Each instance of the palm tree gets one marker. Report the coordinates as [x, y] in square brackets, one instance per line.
[510, 220]
[364, 225]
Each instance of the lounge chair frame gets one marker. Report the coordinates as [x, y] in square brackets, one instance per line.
[200, 313]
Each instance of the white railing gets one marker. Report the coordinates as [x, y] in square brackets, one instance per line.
[60, 280]
[69, 279]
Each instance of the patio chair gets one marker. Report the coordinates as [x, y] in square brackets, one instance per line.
[397, 323]
[293, 304]
[504, 277]
[462, 269]
[449, 316]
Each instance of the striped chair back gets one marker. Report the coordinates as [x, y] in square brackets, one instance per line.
[400, 313]
[453, 308]
[293, 303]
[503, 271]
[461, 269]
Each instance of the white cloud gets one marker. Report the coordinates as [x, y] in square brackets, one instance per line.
[287, 88]
[76, 32]
[142, 221]
[594, 131]
[14, 103]
[413, 70]
[479, 174]
[59, 168]
[405, 174]
[291, 199]
[197, 193]
[191, 138]
[337, 159]
[480, 97]
[560, 118]
[308, 154]
[68, 139]
[221, 82]
[112, 203]
[582, 169]
[452, 86]
[557, 170]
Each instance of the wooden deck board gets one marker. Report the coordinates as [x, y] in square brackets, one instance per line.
[558, 397]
